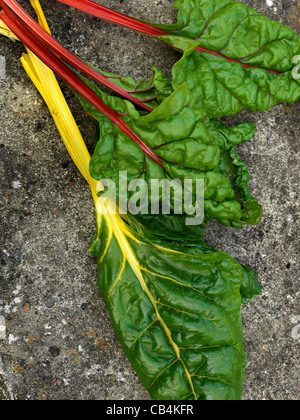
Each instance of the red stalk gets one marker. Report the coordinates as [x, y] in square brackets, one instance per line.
[104, 13]
[107, 14]
[69, 77]
[56, 48]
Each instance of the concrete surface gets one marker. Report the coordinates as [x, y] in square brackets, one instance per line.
[56, 340]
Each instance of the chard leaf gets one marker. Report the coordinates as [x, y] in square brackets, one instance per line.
[171, 226]
[177, 313]
[237, 172]
[224, 88]
[187, 143]
[151, 91]
[262, 49]
[250, 285]
[182, 238]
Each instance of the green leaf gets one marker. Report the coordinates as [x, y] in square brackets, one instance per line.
[176, 312]
[171, 226]
[236, 32]
[250, 285]
[183, 138]
[237, 172]
[224, 88]
[179, 237]
[151, 91]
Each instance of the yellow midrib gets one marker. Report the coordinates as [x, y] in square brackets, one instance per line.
[115, 222]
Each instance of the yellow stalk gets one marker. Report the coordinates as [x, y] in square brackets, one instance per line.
[40, 14]
[46, 83]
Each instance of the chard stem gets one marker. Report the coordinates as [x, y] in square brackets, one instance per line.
[69, 77]
[55, 47]
[107, 14]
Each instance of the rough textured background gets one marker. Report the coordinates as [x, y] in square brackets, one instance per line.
[59, 343]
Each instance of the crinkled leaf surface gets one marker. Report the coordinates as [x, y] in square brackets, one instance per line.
[172, 226]
[238, 32]
[187, 143]
[237, 171]
[177, 313]
[182, 238]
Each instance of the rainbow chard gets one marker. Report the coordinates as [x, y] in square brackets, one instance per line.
[48, 49]
[176, 310]
[240, 58]
[151, 91]
[175, 305]
[175, 141]
[189, 146]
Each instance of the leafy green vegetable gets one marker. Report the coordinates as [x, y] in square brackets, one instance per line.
[224, 88]
[176, 312]
[190, 147]
[250, 285]
[151, 91]
[263, 50]
[236, 57]
[232, 29]
[174, 301]
[184, 239]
